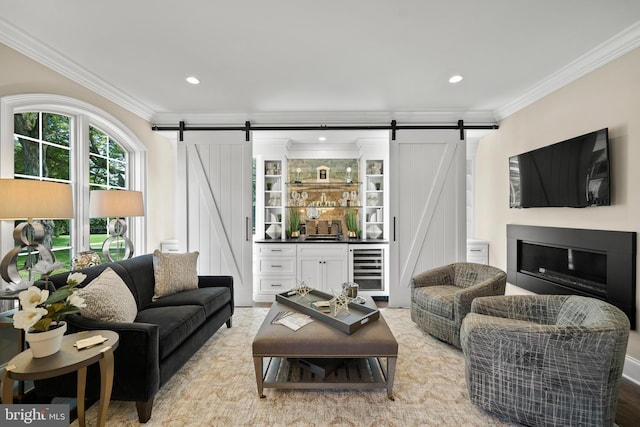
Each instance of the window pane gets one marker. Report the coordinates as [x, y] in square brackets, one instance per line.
[115, 151]
[26, 160]
[56, 162]
[98, 232]
[97, 170]
[61, 242]
[55, 128]
[117, 174]
[98, 141]
[26, 124]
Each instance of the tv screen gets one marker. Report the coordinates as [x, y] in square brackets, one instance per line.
[572, 173]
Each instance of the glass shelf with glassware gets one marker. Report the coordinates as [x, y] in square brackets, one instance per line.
[374, 221]
[273, 207]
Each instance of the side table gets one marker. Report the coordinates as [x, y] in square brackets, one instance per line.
[25, 367]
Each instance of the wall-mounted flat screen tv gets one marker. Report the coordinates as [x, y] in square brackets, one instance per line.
[572, 173]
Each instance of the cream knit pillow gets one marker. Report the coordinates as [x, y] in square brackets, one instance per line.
[174, 273]
[108, 299]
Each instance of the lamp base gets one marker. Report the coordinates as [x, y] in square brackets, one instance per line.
[26, 235]
[117, 228]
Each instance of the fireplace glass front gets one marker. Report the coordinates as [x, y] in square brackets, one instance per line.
[574, 268]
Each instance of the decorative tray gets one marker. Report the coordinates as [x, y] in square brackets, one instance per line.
[347, 321]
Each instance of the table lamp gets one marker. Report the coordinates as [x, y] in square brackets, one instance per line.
[116, 204]
[31, 199]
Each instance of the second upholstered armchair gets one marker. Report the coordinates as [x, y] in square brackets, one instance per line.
[442, 297]
[545, 360]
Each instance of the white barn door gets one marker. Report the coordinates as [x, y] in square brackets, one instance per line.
[428, 216]
[216, 194]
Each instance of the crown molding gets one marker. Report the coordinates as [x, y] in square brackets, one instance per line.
[617, 46]
[50, 58]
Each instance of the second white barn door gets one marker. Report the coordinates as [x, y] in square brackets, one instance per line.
[428, 218]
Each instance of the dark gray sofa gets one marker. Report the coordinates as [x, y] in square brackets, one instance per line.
[164, 335]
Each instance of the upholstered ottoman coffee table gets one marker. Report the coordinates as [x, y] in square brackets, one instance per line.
[369, 355]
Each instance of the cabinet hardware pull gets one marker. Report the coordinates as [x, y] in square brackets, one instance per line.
[275, 285]
[394, 228]
[276, 265]
[276, 250]
[246, 227]
[475, 250]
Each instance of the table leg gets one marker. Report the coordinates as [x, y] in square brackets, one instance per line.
[257, 363]
[391, 372]
[106, 384]
[82, 385]
[7, 388]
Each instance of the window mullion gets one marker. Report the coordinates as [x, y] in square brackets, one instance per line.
[80, 156]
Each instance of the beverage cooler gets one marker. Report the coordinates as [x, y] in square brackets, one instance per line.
[367, 268]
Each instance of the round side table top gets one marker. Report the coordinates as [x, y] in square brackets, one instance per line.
[69, 359]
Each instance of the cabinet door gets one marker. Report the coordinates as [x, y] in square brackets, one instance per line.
[336, 272]
[310, 271]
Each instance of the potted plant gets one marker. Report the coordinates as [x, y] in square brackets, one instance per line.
[41, 313]
[294, 223]
[351, 219]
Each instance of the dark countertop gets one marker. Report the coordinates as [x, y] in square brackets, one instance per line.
[304, 240]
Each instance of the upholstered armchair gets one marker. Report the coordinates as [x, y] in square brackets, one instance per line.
[441, 297]
[545, 359]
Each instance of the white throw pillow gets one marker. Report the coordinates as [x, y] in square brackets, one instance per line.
[108, 299]
[174, 273]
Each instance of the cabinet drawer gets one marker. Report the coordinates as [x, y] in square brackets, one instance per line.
[322, 250]
[282, 249]
[477, 250]
[277, 265]
[277, 284]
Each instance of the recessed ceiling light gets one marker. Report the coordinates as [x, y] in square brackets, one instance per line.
[455, 79]
[322, 138]
[193, 80]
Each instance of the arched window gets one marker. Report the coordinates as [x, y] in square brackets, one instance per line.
[64, 140]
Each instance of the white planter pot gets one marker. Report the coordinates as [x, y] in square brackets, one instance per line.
[46, 343]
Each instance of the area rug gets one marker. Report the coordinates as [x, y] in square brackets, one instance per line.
[217, 387]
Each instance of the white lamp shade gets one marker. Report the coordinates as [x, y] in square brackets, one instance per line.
[33, 199]
[115, 204]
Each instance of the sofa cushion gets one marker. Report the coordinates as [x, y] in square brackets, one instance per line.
[108, 298]
[175, 324]
[211, 299]
[174, 273]
[140, 271]
[436, 299]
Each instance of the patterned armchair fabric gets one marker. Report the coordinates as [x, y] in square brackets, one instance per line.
[441, 297]
[545, 359]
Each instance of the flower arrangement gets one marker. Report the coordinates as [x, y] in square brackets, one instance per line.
[39, 309]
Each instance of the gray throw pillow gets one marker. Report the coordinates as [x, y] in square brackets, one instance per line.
[108, 299]
[174, 272]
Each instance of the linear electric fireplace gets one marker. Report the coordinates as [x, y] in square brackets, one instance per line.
[594, 263]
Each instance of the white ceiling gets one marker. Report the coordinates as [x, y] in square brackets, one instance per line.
[325, 61]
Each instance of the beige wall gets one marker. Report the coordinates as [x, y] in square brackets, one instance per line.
[608, 97]
[21, 75]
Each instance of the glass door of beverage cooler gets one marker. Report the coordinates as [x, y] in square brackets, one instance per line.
[367, 268]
